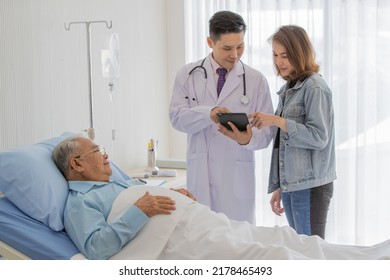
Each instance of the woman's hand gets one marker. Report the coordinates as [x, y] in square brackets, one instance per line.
[260, 120]
[275, 203]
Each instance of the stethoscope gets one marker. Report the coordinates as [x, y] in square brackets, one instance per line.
[244, 98]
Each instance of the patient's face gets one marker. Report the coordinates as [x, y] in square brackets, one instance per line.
[95, 166]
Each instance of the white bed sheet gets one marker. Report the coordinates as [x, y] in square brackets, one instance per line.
[195, 232]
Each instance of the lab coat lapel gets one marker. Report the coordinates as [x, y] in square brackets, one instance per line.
[232, 82]
[211, 86]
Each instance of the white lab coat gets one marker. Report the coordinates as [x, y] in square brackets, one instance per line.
[220, 172]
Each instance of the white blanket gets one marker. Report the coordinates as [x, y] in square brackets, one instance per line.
[151, 239]
[193, 231]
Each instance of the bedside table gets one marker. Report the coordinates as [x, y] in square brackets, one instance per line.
[178, 181]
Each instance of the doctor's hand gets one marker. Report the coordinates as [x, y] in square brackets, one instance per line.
[241, 137]
[215, 111]
[275, 203]
[153, 205]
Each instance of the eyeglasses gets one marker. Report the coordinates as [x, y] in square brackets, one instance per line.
[99, 149]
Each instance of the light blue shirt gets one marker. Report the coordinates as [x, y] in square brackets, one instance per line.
[87, 208]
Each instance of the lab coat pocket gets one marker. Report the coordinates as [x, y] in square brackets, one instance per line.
[197, 163]
[244, 180]
[198, 178]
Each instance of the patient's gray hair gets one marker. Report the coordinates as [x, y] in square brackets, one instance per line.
[64, 151]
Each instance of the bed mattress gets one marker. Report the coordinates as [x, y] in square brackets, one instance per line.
[31, 237]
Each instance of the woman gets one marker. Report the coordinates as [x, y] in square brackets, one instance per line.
[303, 159]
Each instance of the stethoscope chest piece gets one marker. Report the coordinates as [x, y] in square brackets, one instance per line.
[245, 99]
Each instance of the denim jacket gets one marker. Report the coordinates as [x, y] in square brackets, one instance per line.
[306, 154]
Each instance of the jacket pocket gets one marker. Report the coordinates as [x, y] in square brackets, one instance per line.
[298, 167]
[295, 112]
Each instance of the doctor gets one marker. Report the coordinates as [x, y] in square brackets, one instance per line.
[221, 163]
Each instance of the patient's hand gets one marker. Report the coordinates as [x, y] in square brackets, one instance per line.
[185, 192]
[153, 205]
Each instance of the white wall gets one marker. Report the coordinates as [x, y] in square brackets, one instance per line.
[44, 75]
[176, 59]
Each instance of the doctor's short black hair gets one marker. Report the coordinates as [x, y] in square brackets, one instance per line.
[224, 22]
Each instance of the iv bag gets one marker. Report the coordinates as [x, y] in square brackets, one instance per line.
[110, 58]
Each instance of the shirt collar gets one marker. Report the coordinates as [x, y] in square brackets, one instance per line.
[284, 88]
[215, 65]
[86, 186]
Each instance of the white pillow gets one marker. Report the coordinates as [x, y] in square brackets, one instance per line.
[30, 180]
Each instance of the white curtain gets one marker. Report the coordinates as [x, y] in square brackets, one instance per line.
[352, 43]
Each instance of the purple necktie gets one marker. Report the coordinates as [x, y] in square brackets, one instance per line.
[221, 79]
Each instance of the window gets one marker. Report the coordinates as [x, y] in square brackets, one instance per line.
[351, 40]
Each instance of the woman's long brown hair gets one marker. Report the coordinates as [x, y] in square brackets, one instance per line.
[299, 50]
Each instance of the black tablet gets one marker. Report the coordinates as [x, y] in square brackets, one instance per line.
[240, 120]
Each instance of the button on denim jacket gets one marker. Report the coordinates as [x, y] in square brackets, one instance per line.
[306, 154]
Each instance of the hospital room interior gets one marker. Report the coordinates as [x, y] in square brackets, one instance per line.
[106, 69]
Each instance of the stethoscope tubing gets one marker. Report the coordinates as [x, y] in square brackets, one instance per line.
[244, 99]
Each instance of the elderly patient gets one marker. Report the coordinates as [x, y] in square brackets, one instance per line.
[199, 234]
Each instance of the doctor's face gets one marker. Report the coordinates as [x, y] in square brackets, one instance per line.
[228, 50]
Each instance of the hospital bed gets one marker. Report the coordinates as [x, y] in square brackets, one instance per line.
[23, 238]
[33, 201]
[32, 198]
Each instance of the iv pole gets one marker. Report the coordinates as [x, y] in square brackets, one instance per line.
[91, 130]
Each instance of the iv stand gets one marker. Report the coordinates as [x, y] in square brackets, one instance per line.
[91, 130]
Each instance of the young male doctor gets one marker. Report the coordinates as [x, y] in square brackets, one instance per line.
[220, 162]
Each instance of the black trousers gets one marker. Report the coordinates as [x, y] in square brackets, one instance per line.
[319, 206]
